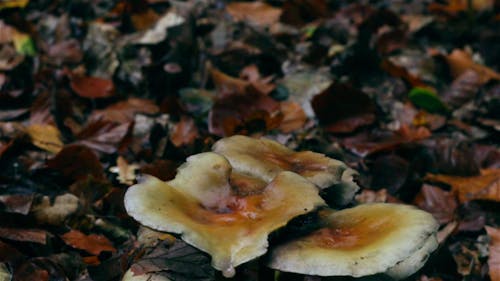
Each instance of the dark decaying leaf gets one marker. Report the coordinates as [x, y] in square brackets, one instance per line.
[300, 12]
[104, 136]
[77, 162]
[162, 169]
[16, 203]
[342, 108]
[9, 253]
[24, 235]
[494, 253]
[365, 143]
[240, 114]
[390, 172]
[450, 156]
[180, 262]
[441, 204]
[463, 89]
[93, 243]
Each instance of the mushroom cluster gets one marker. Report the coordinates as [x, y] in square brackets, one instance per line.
[228, 201]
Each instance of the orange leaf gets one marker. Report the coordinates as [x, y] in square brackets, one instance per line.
[93, 243]
[483, 187]
[92, 87]
[227, 85]
[258, 13]
[294, 116]
[461, 61]
[494, 249]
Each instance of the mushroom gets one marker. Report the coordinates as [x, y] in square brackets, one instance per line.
[264, 158]
[368, 239]
[225, 214]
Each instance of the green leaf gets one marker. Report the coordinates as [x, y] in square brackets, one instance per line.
[24, 45]
[427, 99]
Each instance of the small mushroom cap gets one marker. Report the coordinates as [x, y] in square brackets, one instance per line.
[360, 241]
[211, 214]
[264, 158]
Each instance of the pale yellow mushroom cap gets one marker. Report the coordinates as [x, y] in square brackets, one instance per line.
[264, 158]
[364, 240]
[205, 204]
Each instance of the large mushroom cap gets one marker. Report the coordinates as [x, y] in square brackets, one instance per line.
[363, 240]
[264, 158]
[204, 203]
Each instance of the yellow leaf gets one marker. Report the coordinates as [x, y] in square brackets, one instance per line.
[13, 4]
[46, 137]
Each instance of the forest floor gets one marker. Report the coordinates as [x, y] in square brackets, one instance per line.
[95, 93]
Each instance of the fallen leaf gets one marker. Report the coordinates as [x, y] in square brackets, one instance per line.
[494, 253]
[441, 204]
[390, 172]
[6, 115]
[454, 7]
[401, 72]
[427, 99]
[159, 31]
[24, 235]
[13, 4]
[367, 143]
[180, 262]
[300, 12]
[24, 44]
[294, 117]
[446, 232]
[93, 243]
[67, 51]
[227, 85]
[46, 137]
[124, 111]
[184, 132]
[233, 114]
[461, 61]
[463, 89]
[92, 87]
[258, 13]
[9, 253]
[77, 162]
[262, 84]
[482, 187]
[125, 171]
[160, 168]
[56, 213]
[16, 203]
[342, 108]
[104, 136]
[40, 110]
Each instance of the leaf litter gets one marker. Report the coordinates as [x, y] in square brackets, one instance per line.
[96, 94]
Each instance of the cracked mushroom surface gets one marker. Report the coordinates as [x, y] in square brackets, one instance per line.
[264, 158]
[225, 214]
[368, 239]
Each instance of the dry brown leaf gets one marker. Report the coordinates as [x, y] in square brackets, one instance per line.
[258, 13]
[460, 61]
[184, 132]
[92, 87]
[46, 137]
[294, 116]
[494, 249]
[227, 85]
[483, 187]
[124, 111]
[24, 235]
[93, 243]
